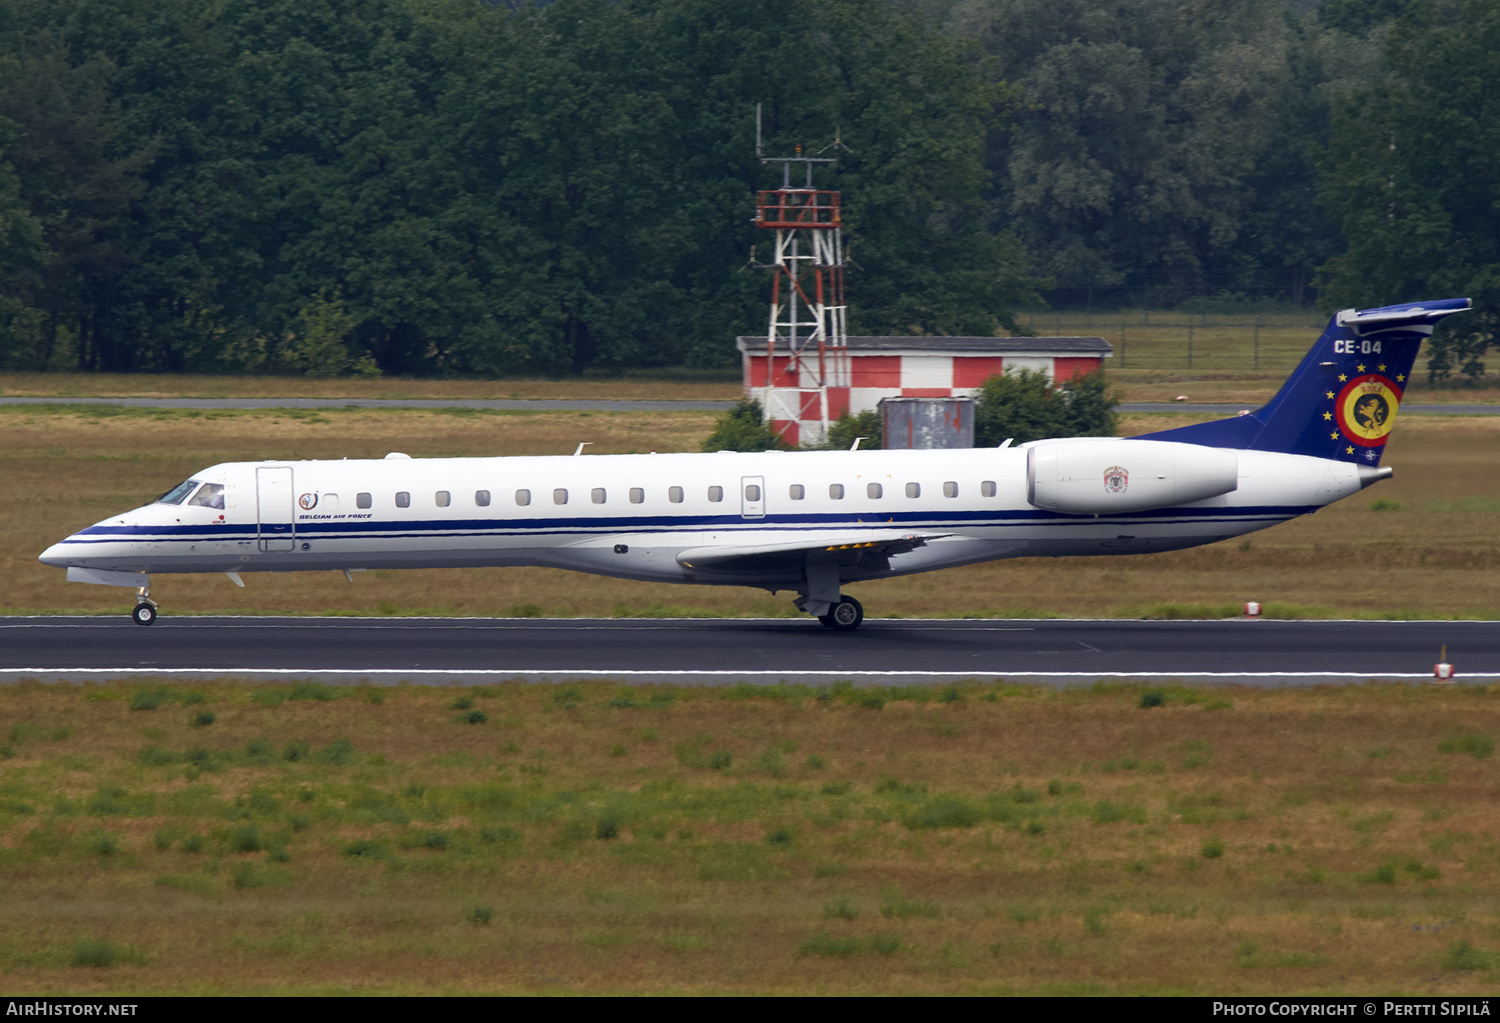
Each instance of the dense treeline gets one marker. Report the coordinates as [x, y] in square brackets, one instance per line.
[454, 186]
[448, 186]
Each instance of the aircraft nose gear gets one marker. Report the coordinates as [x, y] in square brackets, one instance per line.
[844, 616]
[145, 607]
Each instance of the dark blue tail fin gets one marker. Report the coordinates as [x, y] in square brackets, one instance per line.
[1341, 401]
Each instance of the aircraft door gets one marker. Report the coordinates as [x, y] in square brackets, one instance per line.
[752, 497]
[276, 519]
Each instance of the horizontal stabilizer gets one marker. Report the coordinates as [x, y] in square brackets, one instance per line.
[871, 543]
[1415, 316]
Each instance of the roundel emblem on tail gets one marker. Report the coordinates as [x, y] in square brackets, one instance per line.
[1116, 479]
[1366, 409]
[308, 501]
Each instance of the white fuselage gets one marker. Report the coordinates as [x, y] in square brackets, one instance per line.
[642, 516]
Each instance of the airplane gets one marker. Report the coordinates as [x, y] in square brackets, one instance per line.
[805, 522]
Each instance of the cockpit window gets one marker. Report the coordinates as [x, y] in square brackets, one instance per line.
[211, 495]
[177, 493]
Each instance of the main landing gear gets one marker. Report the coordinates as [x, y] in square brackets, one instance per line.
[821, 597]
[844, 616]
[145, 607]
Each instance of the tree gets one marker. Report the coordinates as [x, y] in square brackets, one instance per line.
[1411, 178]
[82, 181]
[25, 342]
[1135, 130]
[1024, 406]
[741, 429]
[843, 431]
[320, 347]
[488, 189]
[1287, 233]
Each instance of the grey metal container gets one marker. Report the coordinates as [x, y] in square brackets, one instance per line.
[927, 422]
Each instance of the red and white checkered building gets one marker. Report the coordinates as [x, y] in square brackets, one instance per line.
[871, 368]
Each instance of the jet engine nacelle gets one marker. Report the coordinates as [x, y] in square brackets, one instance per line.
[1100, 477]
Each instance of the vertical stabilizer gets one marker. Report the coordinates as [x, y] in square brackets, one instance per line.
[1342, 399]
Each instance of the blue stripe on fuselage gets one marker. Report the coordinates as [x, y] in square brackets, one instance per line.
[808, 522]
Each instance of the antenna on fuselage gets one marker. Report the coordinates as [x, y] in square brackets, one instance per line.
[855, 445]
[581, 445]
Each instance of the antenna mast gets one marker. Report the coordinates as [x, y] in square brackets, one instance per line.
[809, 313]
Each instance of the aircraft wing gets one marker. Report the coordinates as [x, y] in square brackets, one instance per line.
[846, 549]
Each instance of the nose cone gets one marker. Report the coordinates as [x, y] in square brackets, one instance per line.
[56, 555]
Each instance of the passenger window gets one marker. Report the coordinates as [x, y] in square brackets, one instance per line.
[559, 496]
[482, 498]
[674, 494]
[752, 492]
[950, 489]
[443, 498]
[874, 490]
[914, 490]
[330, 502]
[211, 495]
[987, 488]
[637, 495]
[403, 500]
[597, 496]
[523, 497]
[836, 491]
[716, 494]
[362, 500]
[796, 492]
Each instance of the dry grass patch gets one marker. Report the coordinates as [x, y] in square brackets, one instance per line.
[979, 838]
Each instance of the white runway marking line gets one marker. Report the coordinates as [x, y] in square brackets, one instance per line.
[783, 673]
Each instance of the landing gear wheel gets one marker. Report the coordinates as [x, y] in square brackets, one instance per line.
[846, 615]
[144, 614]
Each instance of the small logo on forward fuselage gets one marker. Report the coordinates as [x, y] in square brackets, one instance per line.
[308, 501]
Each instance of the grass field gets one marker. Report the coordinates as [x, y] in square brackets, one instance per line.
[231, 838]
[1426, 544]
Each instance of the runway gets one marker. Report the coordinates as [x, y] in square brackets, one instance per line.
[473, 651]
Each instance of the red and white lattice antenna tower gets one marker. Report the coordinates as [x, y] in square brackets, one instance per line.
[809, 314]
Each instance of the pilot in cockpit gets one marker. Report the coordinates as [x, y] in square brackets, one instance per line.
[210, 495]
